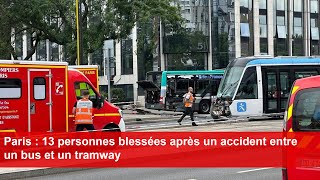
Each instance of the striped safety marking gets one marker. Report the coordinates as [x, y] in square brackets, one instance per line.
[295, 88]
[305, 141]
[102, 115]
[289, 115]
[8, 131]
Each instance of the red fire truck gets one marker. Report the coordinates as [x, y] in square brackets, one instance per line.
[91, 72]
[39, 97]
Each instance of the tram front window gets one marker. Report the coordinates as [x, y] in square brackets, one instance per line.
[230, 81]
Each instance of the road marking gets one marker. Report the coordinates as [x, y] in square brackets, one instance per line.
[251, 170]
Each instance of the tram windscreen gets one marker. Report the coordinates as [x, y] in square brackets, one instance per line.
[229, 82]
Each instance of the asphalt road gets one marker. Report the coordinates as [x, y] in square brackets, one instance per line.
[183, 173]
[168, 174]
[207, 125]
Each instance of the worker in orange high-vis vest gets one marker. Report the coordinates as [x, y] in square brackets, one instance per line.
[188, 101]
[83, 113]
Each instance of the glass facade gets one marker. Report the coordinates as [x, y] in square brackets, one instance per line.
[314, 23]
[18, 46]
[223, 32]
[188, 48]
[42, 51]
[263, 27]
[280, 28]
[246, 28]
[126, 56]
[297, 24]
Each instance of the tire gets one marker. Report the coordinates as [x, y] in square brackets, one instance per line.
[112, 128]
[204, 107]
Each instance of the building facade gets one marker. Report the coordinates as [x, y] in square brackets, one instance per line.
[276, 27]
[216, 31]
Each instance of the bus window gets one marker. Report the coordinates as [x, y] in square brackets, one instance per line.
[201, 86]
[182, 84]
[306, 110]
[248, 86]
[303, 74]
[171, 86]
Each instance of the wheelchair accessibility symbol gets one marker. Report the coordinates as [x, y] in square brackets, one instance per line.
[241, 107]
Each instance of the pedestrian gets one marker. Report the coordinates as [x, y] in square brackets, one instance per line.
[83, 112]
[188, 101]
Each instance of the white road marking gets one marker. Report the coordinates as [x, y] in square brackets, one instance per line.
[251, 170]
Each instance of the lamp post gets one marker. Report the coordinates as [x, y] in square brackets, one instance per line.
[107, 69]
[78, 32]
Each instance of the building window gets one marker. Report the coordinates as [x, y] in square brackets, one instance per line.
[244, 3]
[314, 6]
[263, 30]
[314, 22]
[297, 5]
[126, 56]
[297, 29]
[297, 43]
[54, 51]
[315, 33]
[263, 26]
[281, 20]
[18, 46]
[128, 92]
[186, 61]
[244, 30]
[281, 32]
[263, 4]
[42, 51]
[280, 4]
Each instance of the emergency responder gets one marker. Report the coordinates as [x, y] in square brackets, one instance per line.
[188, 101]
[83, 112]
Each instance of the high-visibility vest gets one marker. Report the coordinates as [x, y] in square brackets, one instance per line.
[188, 100]
[84, 112]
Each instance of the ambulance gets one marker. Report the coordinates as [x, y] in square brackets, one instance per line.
[302, 118]
[39, 97]
[91, 72]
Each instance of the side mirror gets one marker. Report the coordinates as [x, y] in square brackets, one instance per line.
[100, 102]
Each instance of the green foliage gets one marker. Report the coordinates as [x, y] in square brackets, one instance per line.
[55, 20]
[118, 95]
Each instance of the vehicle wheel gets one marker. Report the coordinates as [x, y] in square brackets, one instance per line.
[204, 107]
[111, 128]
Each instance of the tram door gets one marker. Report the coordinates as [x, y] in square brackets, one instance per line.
[276, 89]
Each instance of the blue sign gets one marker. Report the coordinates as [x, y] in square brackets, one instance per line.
[241, 107]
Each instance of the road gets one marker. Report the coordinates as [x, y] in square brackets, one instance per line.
[205, 126]
[183, 173]
[165, 174]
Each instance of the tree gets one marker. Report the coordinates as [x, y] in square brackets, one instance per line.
[101, 20]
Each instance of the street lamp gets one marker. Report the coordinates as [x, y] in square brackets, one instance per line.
[78, 32]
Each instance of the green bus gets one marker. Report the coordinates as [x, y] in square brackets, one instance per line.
[164, 89]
